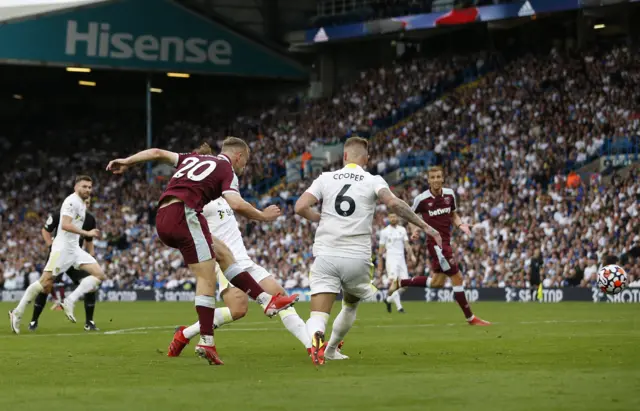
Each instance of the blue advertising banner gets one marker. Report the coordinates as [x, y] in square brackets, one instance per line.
[140, 34]
[522, 8]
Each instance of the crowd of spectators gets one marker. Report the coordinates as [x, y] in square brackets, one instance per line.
[507, 142]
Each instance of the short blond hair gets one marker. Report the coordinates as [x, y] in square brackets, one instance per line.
[435, 169]
[234, 143]
[357, 141]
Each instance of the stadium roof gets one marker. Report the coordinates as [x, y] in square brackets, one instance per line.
[16, 9]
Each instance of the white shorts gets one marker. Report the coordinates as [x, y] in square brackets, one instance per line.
[352, 275]
[257, 272]
[63, 259]
[397, 268]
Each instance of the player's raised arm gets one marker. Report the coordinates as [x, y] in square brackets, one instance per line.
[402, 209]
[231, 193]
[120, 165]
[245, 209]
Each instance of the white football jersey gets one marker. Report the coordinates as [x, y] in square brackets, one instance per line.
[393, 239]
[223, 225]
[74, 207]
[349, 197]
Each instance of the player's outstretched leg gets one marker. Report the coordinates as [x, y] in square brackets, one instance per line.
[461, 299]
[290, 318]
[341, 326]
[242, 280]
[417, 281]
[30, 294]
[89, 284]
[38, 305]
[395, 298]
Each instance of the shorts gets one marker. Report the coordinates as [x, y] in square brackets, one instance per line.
[447, 251]
[61, 260]
[74, 275]
[397, 268]
[258, 273]
[331, 274]
[185, 229]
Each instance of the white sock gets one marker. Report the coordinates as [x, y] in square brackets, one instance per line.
[27, 298]
[396, 299]
[192, 330]
[317, 322]
[264, 299]
[87, 285]
[342, 324]
[221, 317]
[206, 340]
[295, 325]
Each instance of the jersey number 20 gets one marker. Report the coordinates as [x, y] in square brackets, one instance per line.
[342, 198]
[198, 170]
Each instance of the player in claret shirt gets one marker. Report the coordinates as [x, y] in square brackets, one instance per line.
[201, 178]
[437, 206]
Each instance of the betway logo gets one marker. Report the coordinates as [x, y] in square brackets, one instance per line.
[100, 42]
[439, 211]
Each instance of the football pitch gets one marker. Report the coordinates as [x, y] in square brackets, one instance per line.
[568, 356]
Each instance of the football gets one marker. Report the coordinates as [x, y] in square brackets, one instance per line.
[612, 279]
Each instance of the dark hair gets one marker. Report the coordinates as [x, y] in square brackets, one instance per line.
[204, 148]
[610, 259]
[83, 177]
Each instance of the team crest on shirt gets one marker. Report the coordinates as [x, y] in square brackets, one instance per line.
[78, 217]
[430, 204]
[57, 270]
[447, 200]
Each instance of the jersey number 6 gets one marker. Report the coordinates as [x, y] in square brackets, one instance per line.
[342, 198]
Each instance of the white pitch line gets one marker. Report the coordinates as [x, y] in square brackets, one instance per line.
[149, 330]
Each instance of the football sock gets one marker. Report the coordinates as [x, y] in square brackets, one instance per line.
[295, 325]
[395, 298]
[29, 295]
[342, 324]
[461, 299]
[38, 305]
[417, 281]
[221, 316]
[87, 285]
[89, 306]
[61, 292]
[243, 281]
[317, 322]
[205, 307]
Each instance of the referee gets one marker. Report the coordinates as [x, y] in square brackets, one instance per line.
[48, 233]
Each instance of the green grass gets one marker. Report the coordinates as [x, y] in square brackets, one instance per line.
[569, 356]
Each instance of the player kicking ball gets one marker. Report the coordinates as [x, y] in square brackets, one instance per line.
[342, 245]
[437, 206]
[226, 236]
[66, 253]
[202, 177]
[393, 243]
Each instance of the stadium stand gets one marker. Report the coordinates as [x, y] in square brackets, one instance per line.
[508, 141]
